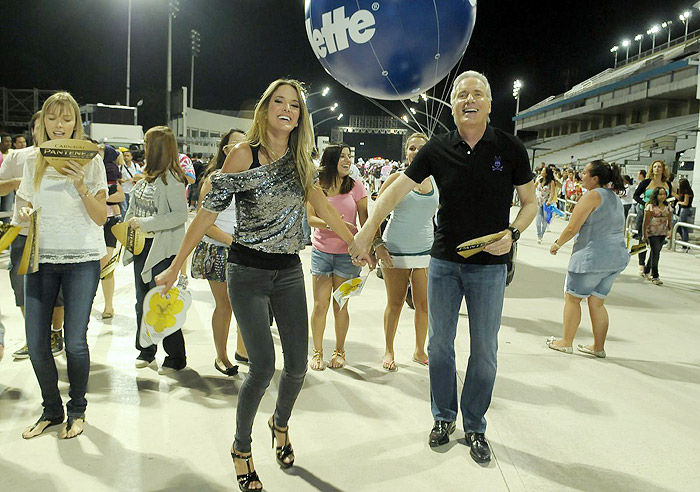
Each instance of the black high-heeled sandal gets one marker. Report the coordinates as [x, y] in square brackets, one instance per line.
[282, 452]
[245, 479]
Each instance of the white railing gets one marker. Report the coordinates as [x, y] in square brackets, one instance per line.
[674, 241]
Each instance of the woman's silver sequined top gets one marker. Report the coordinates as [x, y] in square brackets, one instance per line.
[269, 205]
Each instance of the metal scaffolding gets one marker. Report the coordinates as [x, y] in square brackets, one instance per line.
[18, 105]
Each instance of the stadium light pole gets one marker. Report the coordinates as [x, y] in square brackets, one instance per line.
[339, 117]
[195, 38]
[332, 107]
[323, 92]
[614, 50]
[639, 38]
[128, 56]
[626, 44]
[684, 17]
[667, 25]
[517, 86]
[653, 30]
[173, 9]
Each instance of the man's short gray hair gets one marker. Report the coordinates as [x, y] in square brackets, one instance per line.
[466, 75]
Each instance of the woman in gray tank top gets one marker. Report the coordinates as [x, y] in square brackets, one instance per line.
[598, 257]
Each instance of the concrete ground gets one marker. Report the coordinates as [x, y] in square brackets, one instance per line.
[557, 422]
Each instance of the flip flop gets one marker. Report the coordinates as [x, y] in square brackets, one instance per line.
[389, 365]
[421, 362]
[566, 350]
[107, 315]
[69, 425]
[41, 425]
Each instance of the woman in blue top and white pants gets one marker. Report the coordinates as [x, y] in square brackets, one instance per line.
[598, 257]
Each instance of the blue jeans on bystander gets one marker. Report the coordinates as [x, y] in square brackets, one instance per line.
[79, 283]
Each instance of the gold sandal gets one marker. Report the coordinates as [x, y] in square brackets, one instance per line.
[317, 363]
[337, 359]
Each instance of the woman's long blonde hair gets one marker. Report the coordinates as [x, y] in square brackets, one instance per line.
[301, 140]
[161, 155]
[58, 104]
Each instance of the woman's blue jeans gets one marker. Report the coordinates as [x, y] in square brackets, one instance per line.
[541, 222]
[251, 290]
[79, 283]
[684, 216]
[483, 287]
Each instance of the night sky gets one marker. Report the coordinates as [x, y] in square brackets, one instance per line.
[80, 46]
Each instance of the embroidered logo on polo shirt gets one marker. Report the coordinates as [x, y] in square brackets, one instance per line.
[497, 166]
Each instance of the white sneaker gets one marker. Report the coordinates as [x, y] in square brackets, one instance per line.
[140, 363]
[163, 371]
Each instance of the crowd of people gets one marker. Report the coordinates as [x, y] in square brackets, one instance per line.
[251, 201]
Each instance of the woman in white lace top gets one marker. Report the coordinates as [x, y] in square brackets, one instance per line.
[70, 206]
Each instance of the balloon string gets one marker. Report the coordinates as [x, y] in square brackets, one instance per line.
[389, 112]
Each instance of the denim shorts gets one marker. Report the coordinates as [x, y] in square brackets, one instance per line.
[327, 264]
[596, 284]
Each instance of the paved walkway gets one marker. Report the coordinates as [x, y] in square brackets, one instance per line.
[557, 421]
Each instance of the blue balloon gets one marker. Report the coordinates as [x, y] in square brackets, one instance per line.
[389, 49]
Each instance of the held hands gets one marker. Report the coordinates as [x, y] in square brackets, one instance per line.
[502, 246]
[360, 245]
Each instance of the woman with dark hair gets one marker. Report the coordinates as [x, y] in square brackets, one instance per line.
[685, 197]
[598, 256]
[209, 261]
[331, 264]
[658, 175]
[158, 209]
[658, 220]
[545, 192]
[114, 198]
[271, 176]
[628, 198]
[70, 208]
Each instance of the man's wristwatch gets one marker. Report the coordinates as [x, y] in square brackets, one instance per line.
[515, 233]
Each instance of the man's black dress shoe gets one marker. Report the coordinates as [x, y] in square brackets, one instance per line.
[480, 451]
[441, 433]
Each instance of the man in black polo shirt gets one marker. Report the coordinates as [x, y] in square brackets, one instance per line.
[475, 168]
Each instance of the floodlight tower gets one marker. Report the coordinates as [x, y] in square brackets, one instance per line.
[173, 9]
[517, 86]
[684, 18]
[653, 30]
[667, 25]
[639, 38]
[626, 44]
[614, 50]
[195, 48]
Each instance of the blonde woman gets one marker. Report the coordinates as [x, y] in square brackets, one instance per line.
[71, 207]
[404, 251]
[158, 208]
[271, 176]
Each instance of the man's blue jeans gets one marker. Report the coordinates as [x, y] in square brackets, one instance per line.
[483, 287]
[79, 282]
